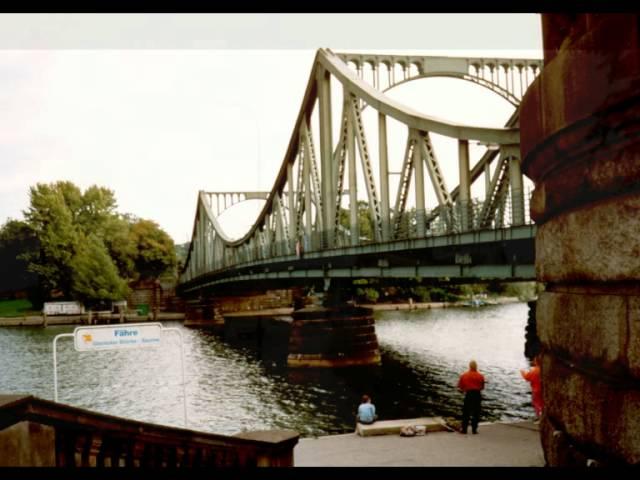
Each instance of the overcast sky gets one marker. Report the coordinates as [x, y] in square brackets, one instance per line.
[157, 107]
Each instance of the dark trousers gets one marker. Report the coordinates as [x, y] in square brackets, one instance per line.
[471, 410]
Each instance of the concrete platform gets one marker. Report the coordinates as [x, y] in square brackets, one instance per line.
[497, 444]
[393, 427]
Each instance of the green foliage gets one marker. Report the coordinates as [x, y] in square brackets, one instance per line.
[370, 295]
[16, 308]
[422, 293]
[14, 231]
[181, 254]
[155, 250]
[86, 249]
[495, 287]
[121, 245]
[468, 290]
[522, 290]
[97, 210]
[365, 220]
[95, 277]
[438, 294]
[52, 220]
[17, 240]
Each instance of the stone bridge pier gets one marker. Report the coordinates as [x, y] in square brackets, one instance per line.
[335, 333]
[208, 309]
[580, 142]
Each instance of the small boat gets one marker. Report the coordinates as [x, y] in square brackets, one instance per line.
[475, 302]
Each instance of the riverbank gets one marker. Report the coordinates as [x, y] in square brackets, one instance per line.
[497, 444]
[38, 320]
[429, 305]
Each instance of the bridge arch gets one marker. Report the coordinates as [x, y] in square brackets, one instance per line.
[492, 87]
[304, 203]
[506, 77]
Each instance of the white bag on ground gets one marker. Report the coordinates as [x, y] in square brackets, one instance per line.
[408, 431]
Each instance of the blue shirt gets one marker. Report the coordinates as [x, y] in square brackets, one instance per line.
[366, 412]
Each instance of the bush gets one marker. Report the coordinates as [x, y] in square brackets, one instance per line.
[371, 295]
[421, 293]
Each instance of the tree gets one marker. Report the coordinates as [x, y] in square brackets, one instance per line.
[181, 254]
[95, 276]
[365, 222]
[52, 220]
[86, 249]
[155, 253]
[97, 210]
[121, 245]
[17, 240]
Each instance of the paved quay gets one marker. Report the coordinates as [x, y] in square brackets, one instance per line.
[497, 444]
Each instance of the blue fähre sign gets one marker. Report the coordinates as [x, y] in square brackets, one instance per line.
[110, 337]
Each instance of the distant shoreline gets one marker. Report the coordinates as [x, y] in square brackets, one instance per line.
[429, 305]
[37, 320]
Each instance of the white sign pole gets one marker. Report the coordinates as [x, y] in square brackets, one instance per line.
[108, 337]
[55, 365]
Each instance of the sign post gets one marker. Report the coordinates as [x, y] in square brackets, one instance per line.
[118, 337]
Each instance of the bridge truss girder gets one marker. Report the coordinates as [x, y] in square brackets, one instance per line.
[304, 211]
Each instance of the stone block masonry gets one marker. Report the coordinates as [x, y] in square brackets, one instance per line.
[580, 144]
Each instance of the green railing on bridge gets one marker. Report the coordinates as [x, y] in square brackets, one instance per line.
[445, 224]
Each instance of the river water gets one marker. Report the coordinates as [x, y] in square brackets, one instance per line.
[230, 388]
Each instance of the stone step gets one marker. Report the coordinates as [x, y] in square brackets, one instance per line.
[393, 427]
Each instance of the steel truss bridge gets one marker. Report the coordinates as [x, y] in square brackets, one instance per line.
[309, 227]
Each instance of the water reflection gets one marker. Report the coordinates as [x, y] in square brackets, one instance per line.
[233, 387]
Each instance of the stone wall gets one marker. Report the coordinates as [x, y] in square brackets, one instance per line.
[255, 301]
[209, 310]
[580, 142]
[168, 301]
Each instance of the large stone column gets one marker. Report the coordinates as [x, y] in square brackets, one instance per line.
[334, 334]
[580, 142]
[203, 312]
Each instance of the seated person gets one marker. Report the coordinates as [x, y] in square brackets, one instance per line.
[366, 411]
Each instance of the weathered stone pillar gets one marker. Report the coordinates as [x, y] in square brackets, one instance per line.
[334, 334]
[338, 336]
[580, 143]
[203, 312]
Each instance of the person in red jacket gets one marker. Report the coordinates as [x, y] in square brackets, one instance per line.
[471, 383]
[533, 377]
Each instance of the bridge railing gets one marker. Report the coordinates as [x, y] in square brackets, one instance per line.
[455, 219]
[36, 432]
[449, 221]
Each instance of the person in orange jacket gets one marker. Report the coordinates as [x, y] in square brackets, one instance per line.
[533, 377]
[471, 383]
